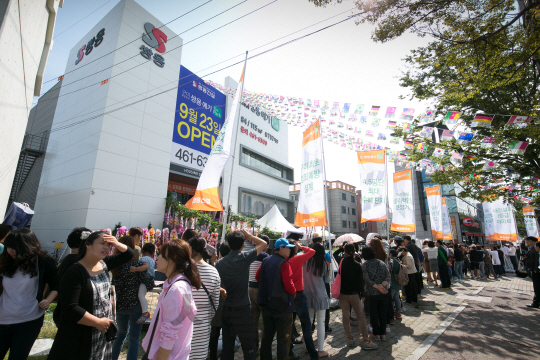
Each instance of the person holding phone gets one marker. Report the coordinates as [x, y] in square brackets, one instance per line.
[86, 305]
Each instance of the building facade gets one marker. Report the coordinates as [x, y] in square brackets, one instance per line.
[26, 32]
[341, 206]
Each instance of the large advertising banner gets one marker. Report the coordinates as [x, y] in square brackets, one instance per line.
[372, 166]
[447, 227]
[434, 198]
[502, 218]
[311, 205]
[530, 221]
[489, 221]
[199, 116]
[206, 196]
[403, 208]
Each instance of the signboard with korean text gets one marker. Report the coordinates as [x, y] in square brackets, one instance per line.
[199, 116]
[530, 221]
[372, 167]
[402, 208]
[434, 199]
[447, 228]
[499, 221]
[311, 206]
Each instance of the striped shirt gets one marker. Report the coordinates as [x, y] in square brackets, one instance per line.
[256, 265]
[205, 312]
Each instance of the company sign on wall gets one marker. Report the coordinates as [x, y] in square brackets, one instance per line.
[199, 116]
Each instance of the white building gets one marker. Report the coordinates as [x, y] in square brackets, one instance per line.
[105, 163]
[26, 31]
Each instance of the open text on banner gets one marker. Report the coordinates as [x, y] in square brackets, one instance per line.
[311, 205]
[402, 207]
[372, 167]
[206, 196]
[434, 199]
[530, 221]
[502, 225]
[447, 228]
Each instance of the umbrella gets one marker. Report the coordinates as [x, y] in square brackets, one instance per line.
[348, 238]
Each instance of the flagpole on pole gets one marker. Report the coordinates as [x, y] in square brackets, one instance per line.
[326, 207]
[226, 207]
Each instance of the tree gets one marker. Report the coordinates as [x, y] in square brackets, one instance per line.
[480, 60]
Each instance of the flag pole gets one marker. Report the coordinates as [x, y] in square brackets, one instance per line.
[326, 208]
[237, 122]
[387, 212]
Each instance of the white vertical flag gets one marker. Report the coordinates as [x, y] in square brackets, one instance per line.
[372, 166]
[504, 226]
[434, 198]
[311, 205]
[489, 221]
[403, 208]
[530, 221]
[447, 228]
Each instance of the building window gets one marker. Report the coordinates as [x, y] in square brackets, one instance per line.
[343, 196]
[293, 198]
[349, 224]
[343, 210]
[354, 224]
[263, 164]
[352, 198]
[353, 212]
[364, 225]
[344, 224]
[348, 210]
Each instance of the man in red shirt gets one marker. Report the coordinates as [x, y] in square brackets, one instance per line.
[276, 298]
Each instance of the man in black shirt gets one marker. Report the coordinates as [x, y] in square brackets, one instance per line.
[531, 264]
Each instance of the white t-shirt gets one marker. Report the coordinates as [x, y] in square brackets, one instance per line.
[495, 257]
[18, 301]
[505, 250]
[432, 253]
[512, 251]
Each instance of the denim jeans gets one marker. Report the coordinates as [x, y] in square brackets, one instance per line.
[482, 270]
[128, 327]
[458, 269]
[19, 338]
[302, 311]
[395, 300]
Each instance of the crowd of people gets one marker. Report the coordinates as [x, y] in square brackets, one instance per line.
[101, 289]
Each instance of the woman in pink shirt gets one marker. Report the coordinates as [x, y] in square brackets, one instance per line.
[171, 337]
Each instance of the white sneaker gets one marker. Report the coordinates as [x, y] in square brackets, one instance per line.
[388, 330]
[370, 328]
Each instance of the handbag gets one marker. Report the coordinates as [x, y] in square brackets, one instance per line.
[145, 356]
[336, 285]
[216, 319]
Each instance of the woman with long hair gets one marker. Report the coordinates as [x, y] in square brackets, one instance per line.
[85, 330]
[315, 275]
[25, 268]
[377, 246]
[171, 329]
[128, 305]
[206, 298]
[352, 289]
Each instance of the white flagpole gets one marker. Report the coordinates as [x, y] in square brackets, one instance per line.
[326, 210]
[233, 152]
[387, 205]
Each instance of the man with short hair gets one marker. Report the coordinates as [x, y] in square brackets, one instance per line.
[136, 233]
[512, 256]
[276, 298]
[237, 318]
[531, 264]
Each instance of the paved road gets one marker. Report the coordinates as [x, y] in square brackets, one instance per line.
[501, 329]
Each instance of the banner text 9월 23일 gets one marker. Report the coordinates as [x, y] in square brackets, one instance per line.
[199, 116]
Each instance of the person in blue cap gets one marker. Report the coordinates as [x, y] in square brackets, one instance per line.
[276, 298]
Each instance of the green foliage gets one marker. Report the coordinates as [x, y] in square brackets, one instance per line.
[115, 229]
[271, 234]
[481, 59]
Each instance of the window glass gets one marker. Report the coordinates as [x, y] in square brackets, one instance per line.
[264, 164]
[344, 223]
[343, 196]
[343, 210]
[353, 211]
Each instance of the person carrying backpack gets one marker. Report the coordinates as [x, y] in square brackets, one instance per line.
[395, 287]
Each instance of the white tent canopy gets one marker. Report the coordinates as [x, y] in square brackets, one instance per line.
[327, 235]
[275, 221]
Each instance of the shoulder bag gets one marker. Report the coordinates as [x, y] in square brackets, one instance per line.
[336, 285]
[145, 356]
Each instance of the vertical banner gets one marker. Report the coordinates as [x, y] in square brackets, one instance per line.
[447, 228]
[402, 208]
[206, 196]
[311, 205]
[530, 221]
[504, 226]
[372, 166]
[489, 221]
[434, 198]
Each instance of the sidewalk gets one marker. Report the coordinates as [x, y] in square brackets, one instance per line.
[410, 334]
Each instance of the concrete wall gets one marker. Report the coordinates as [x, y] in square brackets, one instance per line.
[24, 29]
[336, 216]
[113, 167]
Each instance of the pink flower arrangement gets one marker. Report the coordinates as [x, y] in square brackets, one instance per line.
[174, 235]
[165, 237]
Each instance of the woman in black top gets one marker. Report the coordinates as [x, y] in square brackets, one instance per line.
[25, 268]
[128, 308]
[352, 289]
[84, 294]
